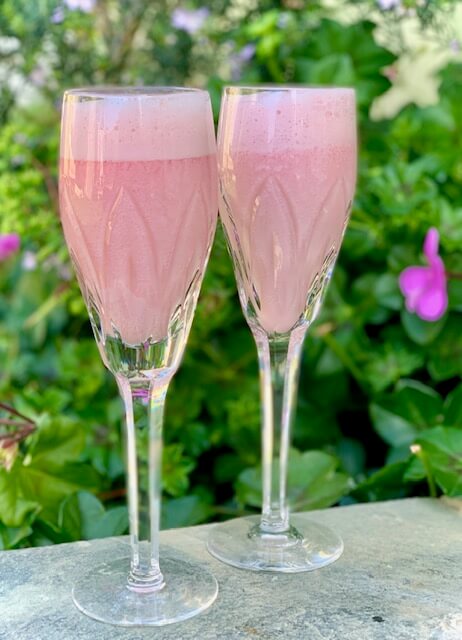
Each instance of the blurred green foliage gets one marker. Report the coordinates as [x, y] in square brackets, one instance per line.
[380, 403]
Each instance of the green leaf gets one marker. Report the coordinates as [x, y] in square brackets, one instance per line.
[58, 440]
[176, 468]
[184, 512]
[52, 401]
[248, 487]
[455, 295]
[331, 69]
[392, 428]
[14, 506]
[446, 353]
[106, 460]
[243, 418]
[10, 537]
[453, 408]
[98, 522]
[390, 362]
[69, 520]
[398, 417]
[263, 24]
[442, 447]
[49, 485]
[352, 455]
[45, 476]
[398, 454]
[387, 292]
[90, 508]
[113, 523]
[386, 484]
[415, 471]
[353, 57]
[322, 493]
[312, 482]
[420, 331]
[82, 515]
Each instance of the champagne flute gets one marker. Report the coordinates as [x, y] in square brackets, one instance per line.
[138, 203]
[287, 172]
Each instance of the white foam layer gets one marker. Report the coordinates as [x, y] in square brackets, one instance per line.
[288, 119]
[99, 125]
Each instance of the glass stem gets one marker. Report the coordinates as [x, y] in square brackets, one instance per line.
[279, 363]
[144, 410]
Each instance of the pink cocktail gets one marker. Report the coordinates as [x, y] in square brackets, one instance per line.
[138, 201]
[287, 172]
[138, 206]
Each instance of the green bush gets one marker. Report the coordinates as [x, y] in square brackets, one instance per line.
[380, 403]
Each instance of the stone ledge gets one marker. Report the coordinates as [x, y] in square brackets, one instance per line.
[400, 578]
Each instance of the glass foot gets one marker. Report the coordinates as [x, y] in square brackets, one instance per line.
[305, 547]
[104, 596]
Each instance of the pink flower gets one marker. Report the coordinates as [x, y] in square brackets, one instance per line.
[425, 288]
[9, 244]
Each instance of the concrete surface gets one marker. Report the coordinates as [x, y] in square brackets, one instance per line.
[400, 578]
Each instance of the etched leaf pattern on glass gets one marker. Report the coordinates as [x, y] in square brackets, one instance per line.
[292, 245]
[145, 296]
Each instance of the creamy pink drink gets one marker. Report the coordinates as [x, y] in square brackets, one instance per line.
[287, 168]
[138, 206]
[287, 171]
[138, 202]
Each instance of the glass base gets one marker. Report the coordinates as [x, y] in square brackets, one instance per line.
[104, 596]
[304, 547]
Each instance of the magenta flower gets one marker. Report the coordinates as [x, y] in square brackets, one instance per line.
[9, 244]
[425, 288]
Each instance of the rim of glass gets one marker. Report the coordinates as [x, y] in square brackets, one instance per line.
[115, 91]
[256, 88]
